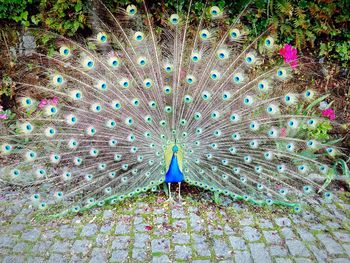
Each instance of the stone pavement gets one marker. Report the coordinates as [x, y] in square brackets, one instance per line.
[147, 229]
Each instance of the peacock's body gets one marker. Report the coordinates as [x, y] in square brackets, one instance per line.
[134, 108]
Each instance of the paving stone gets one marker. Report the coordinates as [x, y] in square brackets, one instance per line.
[320, 254]
[36, 260]
[215, 230]
[288, 233]
[243, 257]
[247, 221]
[60, 247]
[347, 248]
[102, 240]
[196, 222]
[98, 255]
[283, 221]
[19, 247]
[272, 237]
[141, 240]
[342, 236]
[201, 261]
[283, 260]
[181, 238]
[122, 229]
[6, 241]
[340, 260]
[107, 214]
[303, 260]
[106, 228]
[139, 254]
[202, 249]
[67, 232]
[180, 226]
[57, 258]
[237, 243]
[183, 252]
[297, 248]
[13, 259]
[221, 249]
[259, 253]
[81, 246]
[88, 230]
[40, 247]
[228, 230]
[119, 256]
[160, 219]
[161, 259]
[278, 251]
[178, 213]
[121, 242]
[251, 234]
[31, 235]
[160, 245]
[305, 235]
[264, 223]
[331, 246]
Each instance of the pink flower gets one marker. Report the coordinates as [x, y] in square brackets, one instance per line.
[3, 117]
[283, 132]
[329, 113]
[42, 103]
[290, 55]
[54, 101]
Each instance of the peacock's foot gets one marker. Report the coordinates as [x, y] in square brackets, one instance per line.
[170, 200]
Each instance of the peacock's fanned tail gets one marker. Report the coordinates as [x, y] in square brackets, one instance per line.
[114, 107]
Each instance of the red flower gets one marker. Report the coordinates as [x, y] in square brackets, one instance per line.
[329, 113]
[148, 228]
[290, 55]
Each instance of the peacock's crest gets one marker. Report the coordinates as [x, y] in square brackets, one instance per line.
[108, 113]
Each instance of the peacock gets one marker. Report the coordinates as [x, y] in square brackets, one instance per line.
[134, 106]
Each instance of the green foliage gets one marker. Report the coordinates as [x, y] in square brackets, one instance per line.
[320, 25]
[16, 10]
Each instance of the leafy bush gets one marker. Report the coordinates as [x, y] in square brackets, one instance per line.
[320, 25]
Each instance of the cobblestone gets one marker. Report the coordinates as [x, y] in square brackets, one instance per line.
[146, 231]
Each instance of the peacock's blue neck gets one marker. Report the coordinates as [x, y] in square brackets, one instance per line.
[174, 174]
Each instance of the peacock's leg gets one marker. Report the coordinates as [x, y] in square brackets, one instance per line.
[170, 198]
[180, 191]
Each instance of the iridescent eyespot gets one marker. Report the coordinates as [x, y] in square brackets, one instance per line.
[215, 11]
[234, 33]
[142, 61]
[263, 86]
[206, 95]
[238, 78]
[147, 83]
[26, 102]
[114, 62]
[168, 68]
[248, 100]
[187, 99]
[167, 89]
[269, 41]
[65, 51]
[131, 10]
[250, 58]
[124, 83]
[234, 118]
[90, 131]
[139, 36]
[309, 94]
[196, 56]
[222, 54]
[96, 107]
[215, 75]
[281, 73]
[190, 79]
[129, 121]
[174, 19]
[204, 34]
[102, 37]
[58, 80]
[88, 63]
